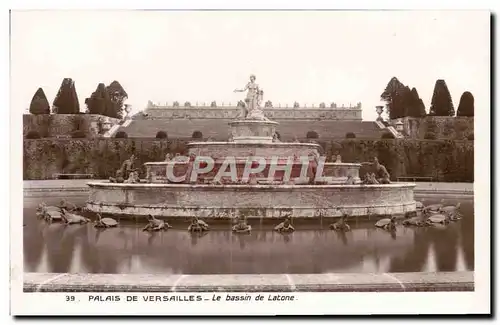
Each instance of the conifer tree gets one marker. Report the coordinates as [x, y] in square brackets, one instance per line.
[117, 95]
[441, 104]
[100, 103]
[416, 106]
[393, 95]
[466, 105]
[39, 103]
[66, 101]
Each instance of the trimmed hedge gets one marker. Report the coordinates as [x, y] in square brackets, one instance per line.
[445, 161]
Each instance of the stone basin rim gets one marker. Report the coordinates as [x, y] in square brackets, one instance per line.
[249, 121]
[259, 144]
[259, 186]
[159, 163]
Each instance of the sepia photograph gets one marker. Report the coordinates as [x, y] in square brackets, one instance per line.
[250, 162]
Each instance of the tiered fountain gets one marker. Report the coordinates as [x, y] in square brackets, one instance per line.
[178, 188]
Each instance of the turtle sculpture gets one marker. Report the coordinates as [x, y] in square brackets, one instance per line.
[435, 207]
[452, 211]
[68, 206]
[198, 225]
[388, 224]
[418, 221]
[50, 214]
[156, 224]
[72, 218]
[341, 225]
[419, 205]
[44, 207]
[241, 227]
[439, 218]
[105, 222]
[284, 227]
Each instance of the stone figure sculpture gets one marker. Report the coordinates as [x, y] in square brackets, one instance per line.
[118, 177]
[241, 226]
[128, 166]
[252, 110]
[380, 175]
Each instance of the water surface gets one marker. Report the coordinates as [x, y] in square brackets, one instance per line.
[126, 249]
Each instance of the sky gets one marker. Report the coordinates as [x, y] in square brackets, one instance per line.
[200, 56]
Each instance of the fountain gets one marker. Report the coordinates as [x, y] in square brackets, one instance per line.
[252, 175]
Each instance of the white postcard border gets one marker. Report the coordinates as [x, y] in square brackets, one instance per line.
[307, 303]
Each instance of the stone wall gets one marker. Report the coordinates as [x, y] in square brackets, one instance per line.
[273, 113]
[444, 127]
[62, 125]
[445, 161]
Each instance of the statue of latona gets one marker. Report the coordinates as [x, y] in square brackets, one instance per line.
[253, 99]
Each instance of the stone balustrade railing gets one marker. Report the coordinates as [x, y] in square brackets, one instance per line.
[268, 104]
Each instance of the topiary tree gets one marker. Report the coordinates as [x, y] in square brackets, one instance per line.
[441, 104]
[121, 135]
[100, 103]
[39, 103]
[350, 135]
[395, 96]
[117, 95]
[466, 105]
[66, 101]
[387, 135]
[161, 135]
[197, 135]
[32, 135]
[415, 106]
[312, 135]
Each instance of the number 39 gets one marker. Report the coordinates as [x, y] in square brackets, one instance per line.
[70, 298]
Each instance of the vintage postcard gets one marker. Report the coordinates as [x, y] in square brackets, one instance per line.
[250, 162]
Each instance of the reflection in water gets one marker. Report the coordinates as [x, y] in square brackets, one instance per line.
[126, 249]
[430, 263]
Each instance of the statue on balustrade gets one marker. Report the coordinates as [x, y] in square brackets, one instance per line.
[213, 104]
[322, 105]
[269, 104]
[296, 105]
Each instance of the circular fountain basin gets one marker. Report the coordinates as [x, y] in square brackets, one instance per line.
[334, 173]
[253, 201]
